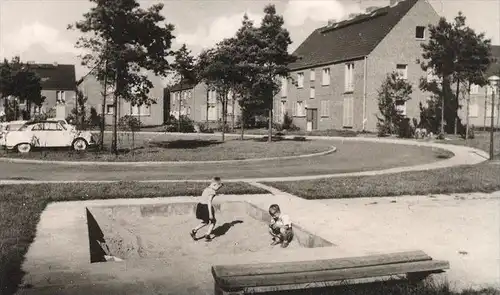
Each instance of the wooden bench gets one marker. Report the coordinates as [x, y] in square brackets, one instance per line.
[240, 279]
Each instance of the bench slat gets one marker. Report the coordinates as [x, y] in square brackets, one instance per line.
[238, 282]
[317, 265]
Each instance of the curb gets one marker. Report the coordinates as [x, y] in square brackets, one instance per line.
[155, 163]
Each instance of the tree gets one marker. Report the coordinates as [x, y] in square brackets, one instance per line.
[184, 68]
[127, 40]
[446, 55]
[393, 92]
[246, 48]
[216, 68]
[22, 82]
[273, 58]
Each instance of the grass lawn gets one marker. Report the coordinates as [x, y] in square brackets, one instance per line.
[21, 206]
[165, 147]
[463, 179]
[480, 141]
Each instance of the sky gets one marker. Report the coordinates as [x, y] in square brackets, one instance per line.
[37, 29]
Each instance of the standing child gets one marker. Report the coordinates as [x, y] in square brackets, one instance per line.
[280, 227]
[205, 210]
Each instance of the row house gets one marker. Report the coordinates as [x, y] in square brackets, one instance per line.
[480, 102]
[201, 104]
[341, 66]
[58, 84]
[149, 115]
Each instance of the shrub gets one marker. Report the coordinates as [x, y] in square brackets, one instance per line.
[186, 125]
[405, 130]
[205, 128]
[383, 129]
[288, 123]
[471, 132]
[129, 123]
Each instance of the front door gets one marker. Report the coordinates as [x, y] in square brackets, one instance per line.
[312, 119]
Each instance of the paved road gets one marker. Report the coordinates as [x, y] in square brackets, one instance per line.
[350, 157]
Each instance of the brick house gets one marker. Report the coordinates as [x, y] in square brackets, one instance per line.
[200, 104]
[342, 65]
[480, 98]
[58, 87]
[149, 115]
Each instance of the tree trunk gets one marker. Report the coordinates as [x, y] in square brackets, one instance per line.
[444, 86]
[232, 115]
[224, 114]
[103, 109]
[467, 117]
[485, 106]
[270, 126]
[456, 106]
[208, 106]
[180, 108]
[114, 142]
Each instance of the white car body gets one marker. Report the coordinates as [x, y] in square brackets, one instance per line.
[6, 127]
[47, 134]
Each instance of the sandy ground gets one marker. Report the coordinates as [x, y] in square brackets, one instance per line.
[462, 230]
[161, 237]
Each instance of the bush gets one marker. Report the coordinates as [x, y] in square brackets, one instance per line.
[204, 128]
[129, 123]
[288, 123]
[383, 129]
[471, 132]
[187, 125]
[405, 129]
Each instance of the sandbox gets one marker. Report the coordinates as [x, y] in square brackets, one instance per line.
[162, 231]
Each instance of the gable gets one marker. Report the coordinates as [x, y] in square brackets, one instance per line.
[351, 39]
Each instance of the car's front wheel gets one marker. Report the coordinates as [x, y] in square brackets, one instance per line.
[80, 144]
[24, 148]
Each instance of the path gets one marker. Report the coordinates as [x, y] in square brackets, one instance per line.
[288, 170]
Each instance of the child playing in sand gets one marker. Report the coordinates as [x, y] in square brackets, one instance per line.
[205, 210]
[280, 227]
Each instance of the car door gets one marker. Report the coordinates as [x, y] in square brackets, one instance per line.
[38, 135]
[57, 135]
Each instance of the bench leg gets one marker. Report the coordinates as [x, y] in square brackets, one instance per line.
[219, 291]
[416, 278]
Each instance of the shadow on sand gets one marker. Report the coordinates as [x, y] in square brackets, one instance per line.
[223, 229]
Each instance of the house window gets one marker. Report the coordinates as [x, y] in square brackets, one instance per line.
[143, 110]
[325, 80]
[284, 82]
[212, 96]
[402, 71]
[37, 110]
[110, 109]
[282, 110]
[300, 110]
[312, 75]
[473, 108]
[325, 108]
[312, 93]
[349, 77]
[400, 106]
[60, 97]
[300, 80]
[474, 89]
[348, 109]
[212, 113]
[420, 33]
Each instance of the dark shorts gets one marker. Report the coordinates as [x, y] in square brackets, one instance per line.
[203, 214]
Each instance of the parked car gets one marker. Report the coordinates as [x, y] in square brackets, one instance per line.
[48, 134]
[5, 127]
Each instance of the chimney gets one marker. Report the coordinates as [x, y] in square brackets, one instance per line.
[331, 21]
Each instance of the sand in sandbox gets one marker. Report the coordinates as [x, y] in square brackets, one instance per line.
[164, 237]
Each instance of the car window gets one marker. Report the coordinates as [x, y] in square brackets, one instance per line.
[37, 127]
[52, 126]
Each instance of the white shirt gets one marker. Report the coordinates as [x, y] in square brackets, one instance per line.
[282, 220]
[207, 195]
